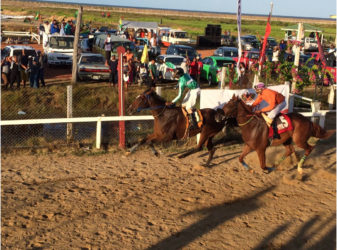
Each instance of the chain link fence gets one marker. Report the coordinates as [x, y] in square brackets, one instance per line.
[88, 100]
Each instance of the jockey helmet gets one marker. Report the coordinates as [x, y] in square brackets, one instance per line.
[260, 85]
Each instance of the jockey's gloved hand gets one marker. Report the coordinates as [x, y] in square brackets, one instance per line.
[170, 104]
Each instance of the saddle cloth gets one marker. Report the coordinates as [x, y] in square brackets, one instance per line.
[198, 117]
[283, 125]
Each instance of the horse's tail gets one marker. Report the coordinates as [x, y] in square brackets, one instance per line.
[319, 132]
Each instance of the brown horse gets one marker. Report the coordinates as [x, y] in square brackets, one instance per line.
[170, 124]
[255, 133]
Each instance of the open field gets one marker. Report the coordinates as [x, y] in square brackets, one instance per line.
[193, 22]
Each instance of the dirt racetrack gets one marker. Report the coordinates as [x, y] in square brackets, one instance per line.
[113, 201]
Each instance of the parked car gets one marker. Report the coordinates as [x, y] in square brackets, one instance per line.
[331, 63]
[212, 66]
[271, 43]
[16, 50]
[164, 72]
[59, 49]
[249, 57]
[227, 51]
[92, 66]
[85, 45]
[182, 50]
[227, 40]
[249, 42]
[140, 43]
[175, 37]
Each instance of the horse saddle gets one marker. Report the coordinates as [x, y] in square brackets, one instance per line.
[198, 117]
[283, 124]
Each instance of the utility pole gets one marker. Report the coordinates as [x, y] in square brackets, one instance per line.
[76, 39]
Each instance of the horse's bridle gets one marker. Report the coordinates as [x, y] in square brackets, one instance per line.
[146, 97]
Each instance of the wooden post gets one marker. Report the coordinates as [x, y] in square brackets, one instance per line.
[297, 52]
[76, 39]
[69, 113]
[223, 77]
[120, 52]
[331, 97]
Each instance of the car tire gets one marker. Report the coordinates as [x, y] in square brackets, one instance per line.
[209, 80]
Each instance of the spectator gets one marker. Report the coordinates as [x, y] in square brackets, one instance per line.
[194, 69]
[23, 62]
[34, 72]
[107, 47]
[113, 63]
[130, 71]
[5, 65]
[152, 74]
[42, 62]
[276, 54]
[54, 27]
[128, 54]
[125, 70]
[200, 67]
[68, 28]
[154, 44]
[184, 66]
[282, 45]
[15, 72]
[142, 33]
[46, 26]
[62, 32]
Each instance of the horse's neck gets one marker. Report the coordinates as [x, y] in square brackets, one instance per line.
[243, 110]
[157, 106]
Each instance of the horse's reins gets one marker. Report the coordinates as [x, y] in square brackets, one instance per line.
[249, 120]
[152, 108]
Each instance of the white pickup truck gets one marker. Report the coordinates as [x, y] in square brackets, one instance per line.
[175, 37]
[59, 49]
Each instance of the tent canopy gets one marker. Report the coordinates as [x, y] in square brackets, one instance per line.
[306, 27]
[139, 25]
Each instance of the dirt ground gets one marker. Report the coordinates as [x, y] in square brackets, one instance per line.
[112, 201]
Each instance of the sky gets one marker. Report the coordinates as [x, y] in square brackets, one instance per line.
[296, 8]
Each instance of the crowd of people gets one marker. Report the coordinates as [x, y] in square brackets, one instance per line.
[21, 69]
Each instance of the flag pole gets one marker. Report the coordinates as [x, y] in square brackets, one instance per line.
[256, 78]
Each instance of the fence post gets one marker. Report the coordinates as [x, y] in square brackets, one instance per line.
[98, 133]
[223, 77]
[120, 52]
[158, 90]
[69, 113]
[331, 97]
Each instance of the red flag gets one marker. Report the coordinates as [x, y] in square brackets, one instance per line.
[265, 39]
[320, 50]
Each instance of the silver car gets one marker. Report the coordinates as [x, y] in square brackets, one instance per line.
[92, 66]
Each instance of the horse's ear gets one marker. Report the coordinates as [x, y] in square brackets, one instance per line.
[233, 97]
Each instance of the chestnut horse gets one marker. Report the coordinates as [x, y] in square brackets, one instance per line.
[170, 124]
[255, 133]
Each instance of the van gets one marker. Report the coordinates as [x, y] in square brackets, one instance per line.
[59, 49]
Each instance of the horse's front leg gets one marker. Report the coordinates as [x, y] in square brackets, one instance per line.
[262, 158]
[245, 151]
[147, 140]
[211, 151]
[134, 147]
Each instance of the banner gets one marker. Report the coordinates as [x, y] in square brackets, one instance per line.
[320, 50]
[265, 39]
[145, 55]
[239, 38]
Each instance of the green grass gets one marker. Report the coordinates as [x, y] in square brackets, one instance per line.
[194, 26]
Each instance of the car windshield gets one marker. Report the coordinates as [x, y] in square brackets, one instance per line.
[28, 52]
[174, 60]
[180, 34]
[254, 55]
[92, 60]
[182, 52]
[62, 42]
[230, 53]
[222, 62]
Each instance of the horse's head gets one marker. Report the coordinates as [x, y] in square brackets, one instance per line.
[142, 102]
[231, 107]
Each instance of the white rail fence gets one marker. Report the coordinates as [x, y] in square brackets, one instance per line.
[33, 36]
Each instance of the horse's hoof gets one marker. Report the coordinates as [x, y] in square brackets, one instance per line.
[268, 170]
[127, 153]
[157, 154]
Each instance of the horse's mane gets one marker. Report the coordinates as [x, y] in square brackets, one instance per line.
[245, 106]
[154, 94]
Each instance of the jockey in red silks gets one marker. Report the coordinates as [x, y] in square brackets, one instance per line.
[276, 102]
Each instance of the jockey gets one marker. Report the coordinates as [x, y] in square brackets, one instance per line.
[189, 101]
[276, 102]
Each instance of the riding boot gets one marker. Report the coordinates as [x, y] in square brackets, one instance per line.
[275, 134]
[192, 121]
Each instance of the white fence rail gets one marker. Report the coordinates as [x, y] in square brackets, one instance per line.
[98, 120]
[21, 34]
[321, 114]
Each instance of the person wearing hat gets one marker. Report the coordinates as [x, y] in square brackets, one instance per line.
[189, 101]
[276, 102]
